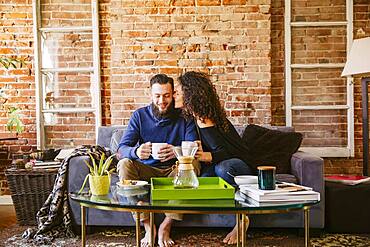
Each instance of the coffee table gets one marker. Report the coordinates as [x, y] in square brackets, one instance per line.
[138, 200]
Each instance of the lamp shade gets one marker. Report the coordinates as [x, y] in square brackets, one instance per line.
[358, 61]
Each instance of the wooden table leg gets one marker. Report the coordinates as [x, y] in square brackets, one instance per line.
[244, 234]
[151, 219]
[306, 226]
[83, 226]
[137, 229]
[237, 230]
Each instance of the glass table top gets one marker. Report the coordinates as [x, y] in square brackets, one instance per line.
[139, 198]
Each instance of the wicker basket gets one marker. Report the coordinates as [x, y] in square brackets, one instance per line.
[30, 189]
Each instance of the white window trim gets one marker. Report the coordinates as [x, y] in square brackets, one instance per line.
[288, 24]
[96, 94]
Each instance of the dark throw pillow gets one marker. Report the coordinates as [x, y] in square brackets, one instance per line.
[271, 147]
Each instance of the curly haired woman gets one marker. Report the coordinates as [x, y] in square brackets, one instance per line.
[221, 151]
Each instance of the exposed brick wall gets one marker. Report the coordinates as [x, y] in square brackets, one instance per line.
[16, 39]
[277, 63]
[105, 58]
[228, 39]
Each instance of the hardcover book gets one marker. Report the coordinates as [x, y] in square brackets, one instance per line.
[347, 179]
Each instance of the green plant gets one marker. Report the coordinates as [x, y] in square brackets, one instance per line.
[14, 121]
[8, 62]
[98, 169]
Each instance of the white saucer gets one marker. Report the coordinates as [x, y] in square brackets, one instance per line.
[132, 192]
[245, 179]
[132, 184]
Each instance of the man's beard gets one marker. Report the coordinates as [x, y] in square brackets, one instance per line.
[168, 113]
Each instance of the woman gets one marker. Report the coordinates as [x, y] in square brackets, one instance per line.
[222, 149]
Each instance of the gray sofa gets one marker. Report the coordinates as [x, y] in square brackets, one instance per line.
[306, 169]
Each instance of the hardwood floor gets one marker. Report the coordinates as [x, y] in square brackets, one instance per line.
[7, 216]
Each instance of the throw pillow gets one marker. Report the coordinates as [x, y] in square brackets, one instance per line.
[115, 140]
[272, 147]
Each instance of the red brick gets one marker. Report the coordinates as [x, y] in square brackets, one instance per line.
[183, 2]
[234, 2]
[208, 2]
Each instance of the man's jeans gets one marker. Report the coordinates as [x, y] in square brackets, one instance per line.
[233, 166]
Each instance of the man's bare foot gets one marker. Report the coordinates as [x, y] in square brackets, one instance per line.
[164, 232]
[231, 237]
[145, 242]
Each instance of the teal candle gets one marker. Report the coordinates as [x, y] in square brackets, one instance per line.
[266, 177]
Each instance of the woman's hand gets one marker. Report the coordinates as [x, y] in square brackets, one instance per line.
[201, 155]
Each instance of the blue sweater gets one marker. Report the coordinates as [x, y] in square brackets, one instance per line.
[145, 127]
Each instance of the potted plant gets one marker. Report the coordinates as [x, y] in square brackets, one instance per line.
[99, 176]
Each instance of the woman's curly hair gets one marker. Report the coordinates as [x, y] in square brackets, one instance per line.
[201, 99]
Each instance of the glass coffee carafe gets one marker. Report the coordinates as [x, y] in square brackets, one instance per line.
[185, 177]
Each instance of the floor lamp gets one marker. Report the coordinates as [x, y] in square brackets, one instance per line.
[358, 63]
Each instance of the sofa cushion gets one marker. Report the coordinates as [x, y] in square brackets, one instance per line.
[115, 140]
[272, 147]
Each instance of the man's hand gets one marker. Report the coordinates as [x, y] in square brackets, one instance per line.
[143, 152]
[201, 155]
[166, 153]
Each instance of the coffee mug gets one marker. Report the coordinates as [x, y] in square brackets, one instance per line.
[188, 148]
[155, 149]
[266, 177]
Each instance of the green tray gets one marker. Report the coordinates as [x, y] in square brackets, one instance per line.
[209, 188]
[207, 203]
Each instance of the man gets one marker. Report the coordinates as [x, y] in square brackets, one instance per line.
[158, 122]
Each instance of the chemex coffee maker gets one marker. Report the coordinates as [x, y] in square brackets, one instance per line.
[185, 177]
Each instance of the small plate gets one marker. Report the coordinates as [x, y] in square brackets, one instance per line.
[245, 179]
[132, 192]
[131, 184]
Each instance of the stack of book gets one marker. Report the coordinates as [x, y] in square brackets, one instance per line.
[53, 164]
[46, 164]
[284, 192]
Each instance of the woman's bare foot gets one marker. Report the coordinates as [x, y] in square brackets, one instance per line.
[164, 232]
[231, 237]
[145, 242]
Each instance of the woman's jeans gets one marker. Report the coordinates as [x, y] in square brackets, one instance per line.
[233, 166]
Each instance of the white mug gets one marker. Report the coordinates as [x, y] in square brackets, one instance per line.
[187, 147]
[155, 149]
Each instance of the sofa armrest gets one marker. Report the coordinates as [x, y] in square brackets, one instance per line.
[309, 170]
[77, 171]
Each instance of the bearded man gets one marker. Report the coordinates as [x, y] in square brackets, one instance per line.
[158, 122]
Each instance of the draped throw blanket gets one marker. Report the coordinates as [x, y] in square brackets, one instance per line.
[54, 218]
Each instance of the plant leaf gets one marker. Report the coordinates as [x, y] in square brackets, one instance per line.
[89, 166]
[94, 164]
[4, 63]
[107, 163]
[83, 184]
[14, 121]
[111, 170]
[101, 164]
